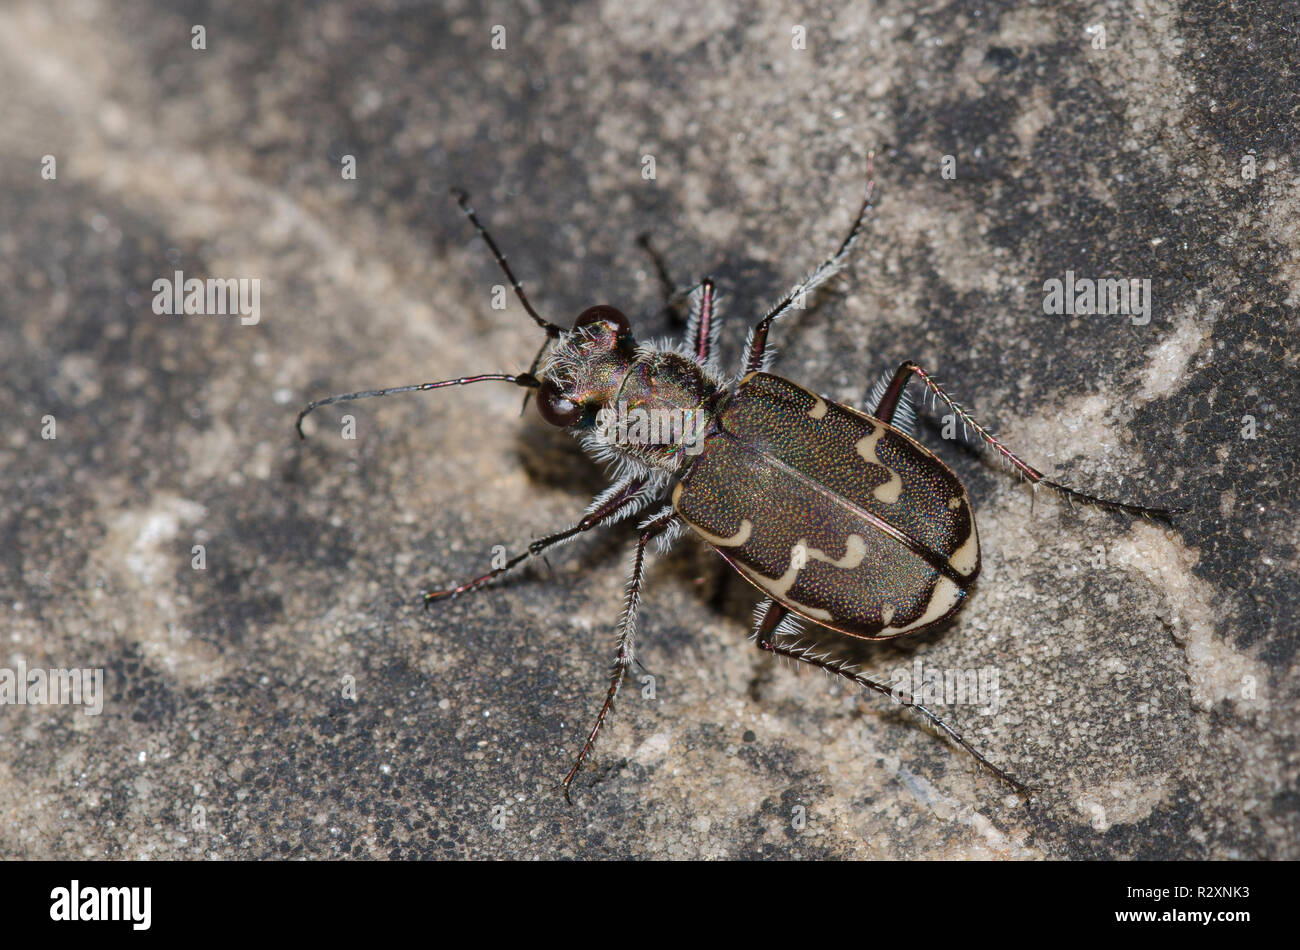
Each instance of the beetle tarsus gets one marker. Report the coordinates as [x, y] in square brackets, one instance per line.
[908, 369]
[758, 357]
[622, 499]
[1107, 504]
[626, 636]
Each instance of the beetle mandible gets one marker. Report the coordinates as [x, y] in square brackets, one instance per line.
[838, 516]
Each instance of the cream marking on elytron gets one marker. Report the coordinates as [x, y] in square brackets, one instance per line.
[943, 599]
[819, 409]
[735, 541]
[966, 557]
[855, 551]
[768, 584]
[888, 492]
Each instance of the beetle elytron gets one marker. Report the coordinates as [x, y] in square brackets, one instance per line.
[837, 516]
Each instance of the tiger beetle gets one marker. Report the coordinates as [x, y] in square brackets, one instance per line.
[839, 517]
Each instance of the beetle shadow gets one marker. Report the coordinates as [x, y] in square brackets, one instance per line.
[878, 655]
[553, 460]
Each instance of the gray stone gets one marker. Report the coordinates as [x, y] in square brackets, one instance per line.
[1146, 673]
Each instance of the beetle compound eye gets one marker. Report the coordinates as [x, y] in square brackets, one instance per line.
[557, 408]
[603, 314]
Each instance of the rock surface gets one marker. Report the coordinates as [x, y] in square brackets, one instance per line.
[1145, 672]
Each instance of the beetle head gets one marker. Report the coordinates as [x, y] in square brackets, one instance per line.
[585, 367]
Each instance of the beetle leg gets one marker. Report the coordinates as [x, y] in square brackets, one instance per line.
[702, 327]
[756, 345]
[620, 500]
[702, 324]
[768, 631]
[773, 621]
[626, 636]
[906, 370]
[894, 407]
[894, 395]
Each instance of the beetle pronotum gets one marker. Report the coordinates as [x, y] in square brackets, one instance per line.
[837, 516]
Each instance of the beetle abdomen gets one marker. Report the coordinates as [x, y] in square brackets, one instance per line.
[837, 515]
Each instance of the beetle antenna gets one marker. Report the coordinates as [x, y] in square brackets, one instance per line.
[462, 199]
[527, 380]
[532, 371]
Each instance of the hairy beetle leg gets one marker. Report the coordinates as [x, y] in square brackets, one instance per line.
[618, 502]
[766, 634]
[626, 641]
[909, 369]
[702, 323]
[758, 358]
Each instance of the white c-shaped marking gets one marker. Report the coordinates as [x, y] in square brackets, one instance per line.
[888, 492]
